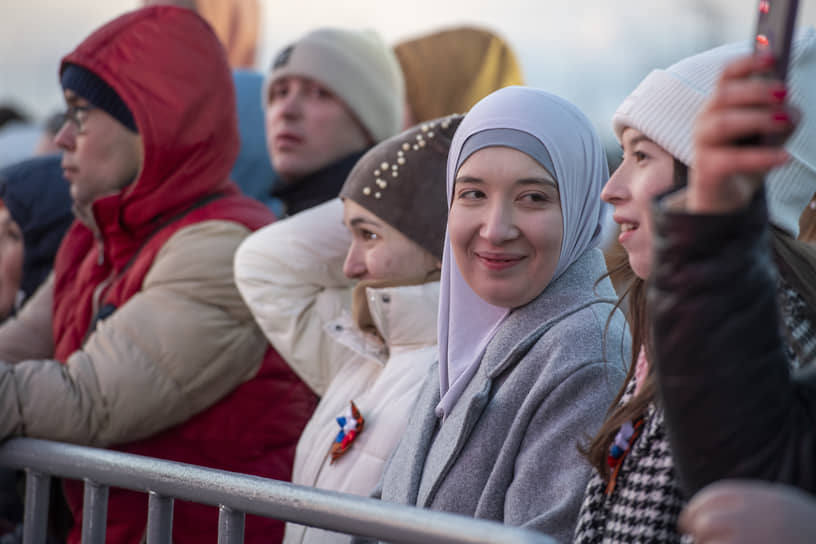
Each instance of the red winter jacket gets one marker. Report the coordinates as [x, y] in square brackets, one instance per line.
[183, 371]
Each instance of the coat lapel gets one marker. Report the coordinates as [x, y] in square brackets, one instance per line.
[443, 450]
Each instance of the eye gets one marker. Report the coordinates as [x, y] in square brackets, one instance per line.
[470, 194]
[367, 235]
[277, 92]
[535, 198]
[639, 156]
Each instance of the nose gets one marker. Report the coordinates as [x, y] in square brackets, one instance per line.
[354, 265]
[65, 138]
[616, 189]
[291, 105]
[499, 225]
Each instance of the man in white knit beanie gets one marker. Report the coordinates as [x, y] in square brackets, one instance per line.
[328, 97]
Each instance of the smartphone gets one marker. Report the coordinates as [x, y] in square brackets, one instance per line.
[774, 34]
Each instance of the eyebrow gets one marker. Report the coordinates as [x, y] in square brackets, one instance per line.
[638, 139]
[522, 181]
[357, 221]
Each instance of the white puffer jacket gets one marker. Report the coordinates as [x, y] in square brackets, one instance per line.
[290, 274]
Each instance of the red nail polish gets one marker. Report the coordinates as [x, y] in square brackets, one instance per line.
[781, 116]
[780, 94]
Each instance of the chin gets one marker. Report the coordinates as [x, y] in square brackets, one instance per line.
[503, 298]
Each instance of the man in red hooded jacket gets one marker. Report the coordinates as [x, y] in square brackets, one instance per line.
[140, 341]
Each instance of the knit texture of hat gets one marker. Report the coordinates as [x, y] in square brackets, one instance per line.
[666, 103]
[449, 71]
[402, 181]
[93, 88]
[357, 66]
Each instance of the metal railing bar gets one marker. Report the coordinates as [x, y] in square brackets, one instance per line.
[260, 496]
[159, 519]
[37, 496]
[230, 526]
[94, 512]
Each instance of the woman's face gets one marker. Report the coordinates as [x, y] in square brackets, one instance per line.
[11, 261]
[379, 251]
[505, 226]
[646, 171]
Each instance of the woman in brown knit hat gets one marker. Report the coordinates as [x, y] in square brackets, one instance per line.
[449, 71]
[364, 350]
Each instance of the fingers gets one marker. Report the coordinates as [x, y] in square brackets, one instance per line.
[747, 66]
[726, 126]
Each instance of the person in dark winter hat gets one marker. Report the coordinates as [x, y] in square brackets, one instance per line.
[298, 276]
[328, 97]
[36, 198]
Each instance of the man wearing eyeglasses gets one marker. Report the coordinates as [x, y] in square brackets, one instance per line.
[142, 341]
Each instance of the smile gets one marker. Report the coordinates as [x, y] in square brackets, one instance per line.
[498, 261]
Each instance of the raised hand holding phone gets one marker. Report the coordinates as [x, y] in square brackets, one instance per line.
[738, 135]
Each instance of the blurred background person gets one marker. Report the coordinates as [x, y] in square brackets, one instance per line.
[35, 214]
[329, 97]
[450, 70]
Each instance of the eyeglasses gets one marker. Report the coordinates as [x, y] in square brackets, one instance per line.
[78, 115]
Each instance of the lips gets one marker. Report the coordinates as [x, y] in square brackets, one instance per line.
[498, 261]
[67, 171]
[286, 140]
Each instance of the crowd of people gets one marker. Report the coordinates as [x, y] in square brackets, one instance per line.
[377, 270]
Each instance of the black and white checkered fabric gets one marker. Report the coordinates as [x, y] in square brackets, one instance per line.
[645, 504]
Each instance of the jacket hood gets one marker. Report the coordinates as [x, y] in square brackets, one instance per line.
[168, 66]
[38, 200]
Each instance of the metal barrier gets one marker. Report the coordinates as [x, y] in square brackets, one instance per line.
[234, 494]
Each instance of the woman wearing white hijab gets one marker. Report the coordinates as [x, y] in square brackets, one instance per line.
[531, 349]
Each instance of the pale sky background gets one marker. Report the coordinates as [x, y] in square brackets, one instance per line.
[592, 52]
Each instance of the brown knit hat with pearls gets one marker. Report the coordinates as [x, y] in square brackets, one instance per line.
[402, 181]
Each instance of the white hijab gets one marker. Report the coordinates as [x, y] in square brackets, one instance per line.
[466, 322]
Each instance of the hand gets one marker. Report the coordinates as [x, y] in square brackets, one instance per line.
[748, 512]
[724, 175]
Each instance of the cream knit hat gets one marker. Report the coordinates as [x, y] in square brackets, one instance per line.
[666, 102]
[357, 66]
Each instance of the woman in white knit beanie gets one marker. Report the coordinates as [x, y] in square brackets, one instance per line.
[651, 456]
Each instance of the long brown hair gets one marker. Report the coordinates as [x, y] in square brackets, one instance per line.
[633, 299]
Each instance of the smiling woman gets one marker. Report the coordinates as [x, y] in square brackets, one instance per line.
[524, 367]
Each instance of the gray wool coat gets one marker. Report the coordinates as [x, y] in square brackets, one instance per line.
[509, 449]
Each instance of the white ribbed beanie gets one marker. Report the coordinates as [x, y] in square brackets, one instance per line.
[666, 102]
[357, 66]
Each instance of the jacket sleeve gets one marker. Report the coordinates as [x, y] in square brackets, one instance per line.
[732, 407]
[172, 350]
[290, 274]
[28, 335]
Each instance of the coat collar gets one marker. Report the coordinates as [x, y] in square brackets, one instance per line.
[318, 187]
[399, 316]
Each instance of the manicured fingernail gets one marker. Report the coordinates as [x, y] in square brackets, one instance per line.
[781, 117]
[780, 94]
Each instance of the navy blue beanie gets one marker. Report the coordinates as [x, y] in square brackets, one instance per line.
[93, 88]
